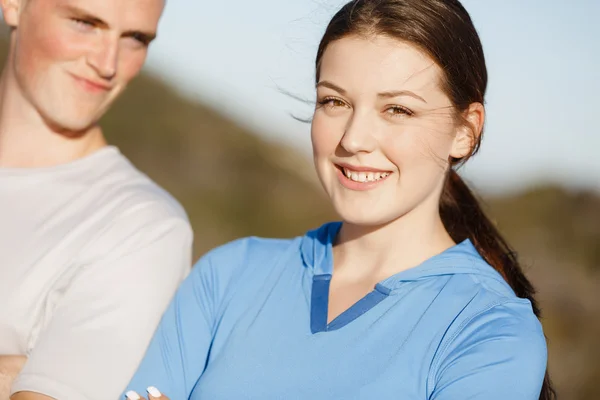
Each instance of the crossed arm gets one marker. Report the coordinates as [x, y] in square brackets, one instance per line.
[86, 332]
[10, 366]
[30, 396]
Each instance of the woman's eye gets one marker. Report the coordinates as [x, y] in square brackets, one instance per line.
[332, 102]
[398, 111]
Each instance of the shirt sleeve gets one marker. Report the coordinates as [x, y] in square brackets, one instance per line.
[178, 352]
[498, 354]
[106, 314]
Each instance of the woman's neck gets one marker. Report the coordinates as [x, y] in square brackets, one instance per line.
[366, 251]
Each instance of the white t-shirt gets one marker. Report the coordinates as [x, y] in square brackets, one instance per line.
[91, 253]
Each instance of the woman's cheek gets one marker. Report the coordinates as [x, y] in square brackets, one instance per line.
[325, 134]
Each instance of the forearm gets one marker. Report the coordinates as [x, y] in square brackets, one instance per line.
[30, 396]
[5, 383]
[10, 367]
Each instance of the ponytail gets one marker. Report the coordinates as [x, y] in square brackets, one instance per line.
[463, 218]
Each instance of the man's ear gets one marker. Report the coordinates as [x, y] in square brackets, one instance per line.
[468, 134]
[11, 9]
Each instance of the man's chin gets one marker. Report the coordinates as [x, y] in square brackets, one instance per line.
[72, 127]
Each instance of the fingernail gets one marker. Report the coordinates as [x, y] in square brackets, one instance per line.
[154, 392]
[131, 395]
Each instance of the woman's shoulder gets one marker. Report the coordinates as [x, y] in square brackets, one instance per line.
[259, 250]
[489, 304]
[489, 320]
[491, 323]
[242, 263]
[251, 248]
[502, 338]
[245, 256]
[486, 349]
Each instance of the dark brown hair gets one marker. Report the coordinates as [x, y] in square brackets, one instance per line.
[443, 29]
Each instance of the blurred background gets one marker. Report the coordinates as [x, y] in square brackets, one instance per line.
[209, 121]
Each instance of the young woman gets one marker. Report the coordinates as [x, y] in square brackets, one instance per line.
[415, 295]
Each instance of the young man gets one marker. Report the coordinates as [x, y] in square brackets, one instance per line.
[91, 250]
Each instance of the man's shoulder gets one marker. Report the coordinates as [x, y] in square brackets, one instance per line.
[128, 210]
[132, 191]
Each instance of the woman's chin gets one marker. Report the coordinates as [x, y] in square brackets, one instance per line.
[366, 218]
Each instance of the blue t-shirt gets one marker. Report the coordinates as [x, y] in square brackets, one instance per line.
[250, 322]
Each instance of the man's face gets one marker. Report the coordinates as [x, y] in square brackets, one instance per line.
[72, 58]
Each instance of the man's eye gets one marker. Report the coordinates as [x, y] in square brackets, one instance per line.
[83, 23]
[143, 39]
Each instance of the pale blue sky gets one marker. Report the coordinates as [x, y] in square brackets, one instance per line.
[543, 59]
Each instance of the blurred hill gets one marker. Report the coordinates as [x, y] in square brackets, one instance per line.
[557, 235]
[233, 184]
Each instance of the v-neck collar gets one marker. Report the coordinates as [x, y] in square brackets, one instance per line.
[317, 253]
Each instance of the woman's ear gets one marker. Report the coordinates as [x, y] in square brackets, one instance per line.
[468, 134]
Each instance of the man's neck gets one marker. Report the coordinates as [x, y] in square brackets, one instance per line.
[27, 141]
[38, 149]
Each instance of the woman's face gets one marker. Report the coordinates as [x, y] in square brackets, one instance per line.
[383, 130]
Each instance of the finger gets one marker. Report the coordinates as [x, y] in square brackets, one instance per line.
[155, 394]
[131, 395]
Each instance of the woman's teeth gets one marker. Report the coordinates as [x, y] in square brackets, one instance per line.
[365, 176]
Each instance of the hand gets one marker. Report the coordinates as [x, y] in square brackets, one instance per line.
[153, 394]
